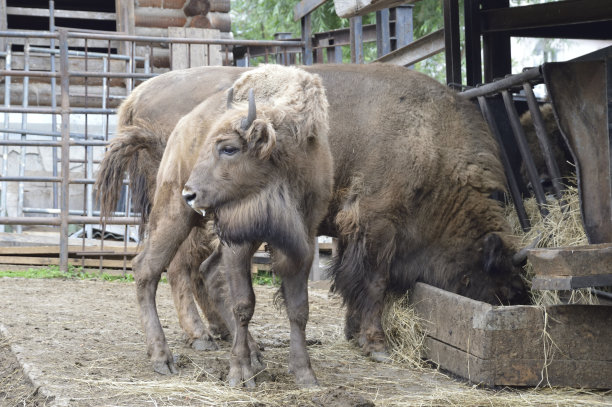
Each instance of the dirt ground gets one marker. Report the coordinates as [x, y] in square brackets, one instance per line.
[80, 343]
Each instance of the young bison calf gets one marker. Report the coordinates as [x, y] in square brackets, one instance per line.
[261, 173]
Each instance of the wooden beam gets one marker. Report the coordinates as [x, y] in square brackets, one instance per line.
[352, 8]
[416, 51]
[43, 12]
[306, 7]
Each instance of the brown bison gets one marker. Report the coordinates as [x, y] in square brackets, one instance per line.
[263, 174]
[414, 168]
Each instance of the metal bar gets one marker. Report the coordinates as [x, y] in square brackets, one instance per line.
[496, 47]
[128, 75]
[513, 187]
[49, 133]
[540, 128]
[452, 42]
[5, 136]
[557, 14]
[24, 125]
[53, 51]
[21, 179]
[530, 75]
[26, 73]
[473, 59]
[72, 220]
[305, 7]
[404, 27]
[521, 141]
[306, 40]
[53, 98]
[65, 150]
[39, 143]
[416, 51]
[71, 212]
[356, 40]
[383, 35]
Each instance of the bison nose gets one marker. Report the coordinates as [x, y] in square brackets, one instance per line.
[189, 196]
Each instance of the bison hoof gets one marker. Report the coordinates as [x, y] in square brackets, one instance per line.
[164, 367]
[241, 375]
[306, 378]
[203, 344]
[257, 361]
[380, 356]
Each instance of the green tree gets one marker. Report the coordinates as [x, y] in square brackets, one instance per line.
[261, 19]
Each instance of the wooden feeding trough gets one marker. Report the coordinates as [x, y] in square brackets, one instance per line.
[564, 345]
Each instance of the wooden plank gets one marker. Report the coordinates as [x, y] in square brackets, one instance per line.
[305, 7]
[43, 12]
[352, 8]
[416, 51]
[587, 373]
[505, 345]
[179, 52]
[213, 52]
[54, 261]
[572, 261]
[570, 283]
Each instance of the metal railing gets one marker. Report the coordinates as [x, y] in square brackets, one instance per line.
[96, 71]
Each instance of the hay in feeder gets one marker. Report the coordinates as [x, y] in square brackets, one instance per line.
[562, 227]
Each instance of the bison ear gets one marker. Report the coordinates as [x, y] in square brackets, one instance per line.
[261, 138]
[492, 252]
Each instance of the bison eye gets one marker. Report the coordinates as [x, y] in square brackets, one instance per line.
[228, 150]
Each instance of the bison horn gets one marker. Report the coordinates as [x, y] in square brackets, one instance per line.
[246, 122]
[521, 256]
[230, 98]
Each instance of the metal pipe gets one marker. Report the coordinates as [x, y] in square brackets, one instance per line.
[65, 150]
[53, 98]
[53, 134]
[38, 143]
[24, 126]
[72, 220]
[7, 103]
[540, 127]
[529, 75]
[519, 136]
[73, 212]
[514, 190]
[81, 53]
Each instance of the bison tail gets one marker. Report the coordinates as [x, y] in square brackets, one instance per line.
[137, 150]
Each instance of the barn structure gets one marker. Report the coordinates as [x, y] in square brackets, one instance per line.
[68, 64]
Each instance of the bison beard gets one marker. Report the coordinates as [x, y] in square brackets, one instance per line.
[269, 216]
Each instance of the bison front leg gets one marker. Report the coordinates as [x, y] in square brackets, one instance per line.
[294, 274]
[169, 227]
[180, 276]
[220, 301]
[237, 266]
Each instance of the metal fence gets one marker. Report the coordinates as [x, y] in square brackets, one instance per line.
[61, 92]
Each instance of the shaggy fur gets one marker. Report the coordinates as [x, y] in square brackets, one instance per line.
[414, 167]
[274, 186]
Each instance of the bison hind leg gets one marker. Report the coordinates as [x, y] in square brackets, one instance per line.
[361, 276]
